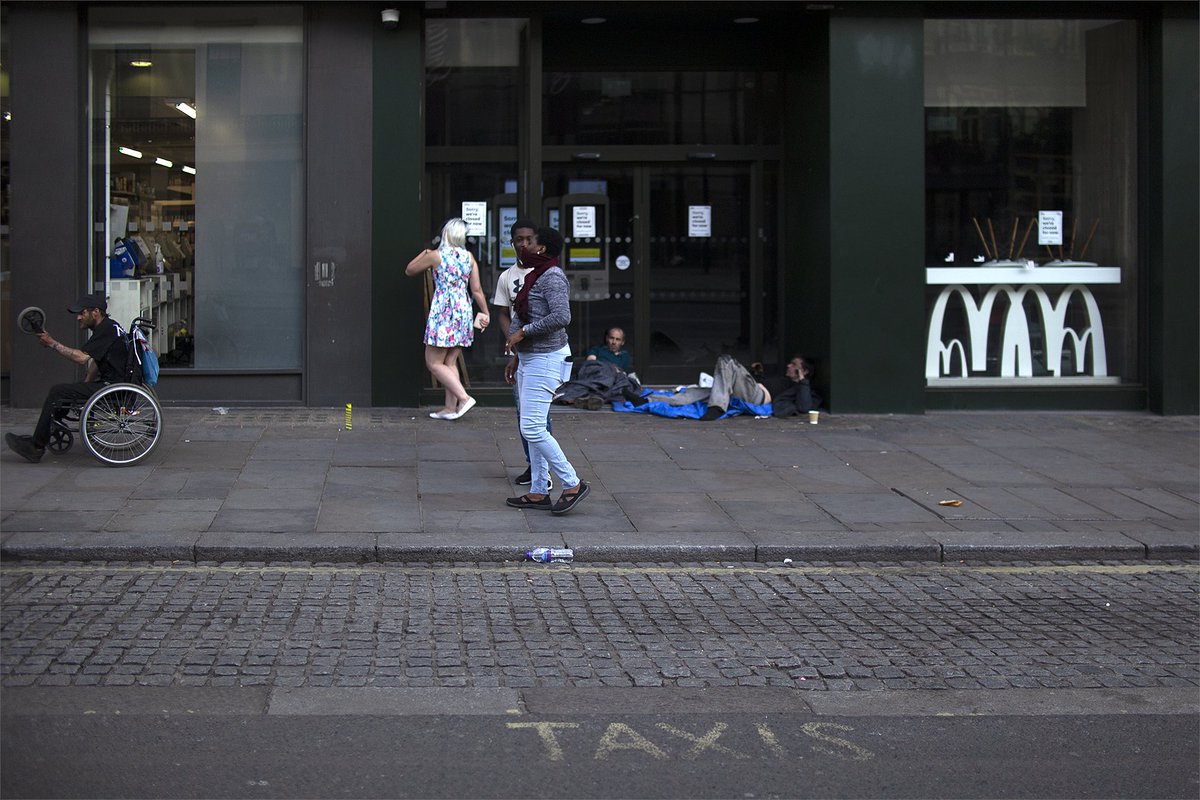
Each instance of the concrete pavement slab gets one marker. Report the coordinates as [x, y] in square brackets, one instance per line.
[773, 515]
[57, 520]
[272, 474]
[841, 478]
[279, 520]
[383, 514]
[263, 498]
[1166, 503]
[999, 503]
[871, 507]
[59, 499]
[184, 484]
[133, 520]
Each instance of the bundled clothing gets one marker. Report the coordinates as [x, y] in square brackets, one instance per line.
[599, 379]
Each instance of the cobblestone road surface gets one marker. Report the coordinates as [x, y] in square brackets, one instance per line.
[819, 627]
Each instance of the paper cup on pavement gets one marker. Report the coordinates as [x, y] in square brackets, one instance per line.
[813, 416]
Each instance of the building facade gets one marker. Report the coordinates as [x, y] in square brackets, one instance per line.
[944, 205]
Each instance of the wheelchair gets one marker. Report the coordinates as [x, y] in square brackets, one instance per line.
[122, 422]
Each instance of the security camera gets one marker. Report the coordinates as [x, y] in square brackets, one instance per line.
[390, 17]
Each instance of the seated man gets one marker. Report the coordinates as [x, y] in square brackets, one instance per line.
[106, 355]
[613, 350]
[791, 393]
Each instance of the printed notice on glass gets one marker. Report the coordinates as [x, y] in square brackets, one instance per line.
[508, 252]
[475, 215]
[1050, 227]
[583, 222]
[700, 221]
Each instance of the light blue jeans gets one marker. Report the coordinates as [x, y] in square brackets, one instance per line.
[517, 405]
[538, 376]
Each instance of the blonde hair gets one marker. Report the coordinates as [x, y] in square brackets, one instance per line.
[454, 233]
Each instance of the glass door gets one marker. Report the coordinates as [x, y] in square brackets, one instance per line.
[594, 208]
[666, 253]
[700, 269]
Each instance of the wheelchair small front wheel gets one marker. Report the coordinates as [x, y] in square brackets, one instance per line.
[61, 440]
[121, 424]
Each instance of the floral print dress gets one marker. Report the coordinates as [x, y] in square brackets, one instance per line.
[449, 323]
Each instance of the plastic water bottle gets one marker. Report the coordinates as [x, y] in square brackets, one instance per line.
[547, 554]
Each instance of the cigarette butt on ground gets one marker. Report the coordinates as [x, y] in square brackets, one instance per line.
[955, 503]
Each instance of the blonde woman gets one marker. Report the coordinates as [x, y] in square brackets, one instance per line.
[449, 327]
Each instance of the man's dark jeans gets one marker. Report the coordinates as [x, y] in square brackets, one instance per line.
[73, 392]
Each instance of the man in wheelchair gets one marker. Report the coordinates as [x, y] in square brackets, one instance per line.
[105, 355]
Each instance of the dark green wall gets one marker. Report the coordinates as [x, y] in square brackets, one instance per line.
[1174, 217]
[876, 214]
[338, 209]
[398, 317]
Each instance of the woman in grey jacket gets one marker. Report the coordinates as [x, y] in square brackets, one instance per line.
[537, 338]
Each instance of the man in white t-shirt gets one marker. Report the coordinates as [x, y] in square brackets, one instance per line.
[524, 234]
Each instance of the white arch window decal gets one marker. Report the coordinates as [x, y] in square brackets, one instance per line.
[1016, 355]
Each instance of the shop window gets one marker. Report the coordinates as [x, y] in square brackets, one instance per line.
[197, 179]
[1031, 201]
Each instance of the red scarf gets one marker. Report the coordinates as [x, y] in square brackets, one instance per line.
[540, 263]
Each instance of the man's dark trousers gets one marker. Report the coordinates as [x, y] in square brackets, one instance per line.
[72, 392]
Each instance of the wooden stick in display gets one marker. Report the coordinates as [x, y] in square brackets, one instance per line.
[1074, 225]
[979, 230]
[1012, 240]
[992, 231]
[1050, 250]
[1028, 230]
[1083, 252]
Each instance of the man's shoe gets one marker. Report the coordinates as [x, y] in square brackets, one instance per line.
[24, 447]
[593, 402]
[526, 478]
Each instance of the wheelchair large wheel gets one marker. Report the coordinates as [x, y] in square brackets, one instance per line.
[121, 424]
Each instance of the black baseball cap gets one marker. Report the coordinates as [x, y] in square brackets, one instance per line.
[90, 301]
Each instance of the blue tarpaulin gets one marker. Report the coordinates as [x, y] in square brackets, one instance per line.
[690, 411]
